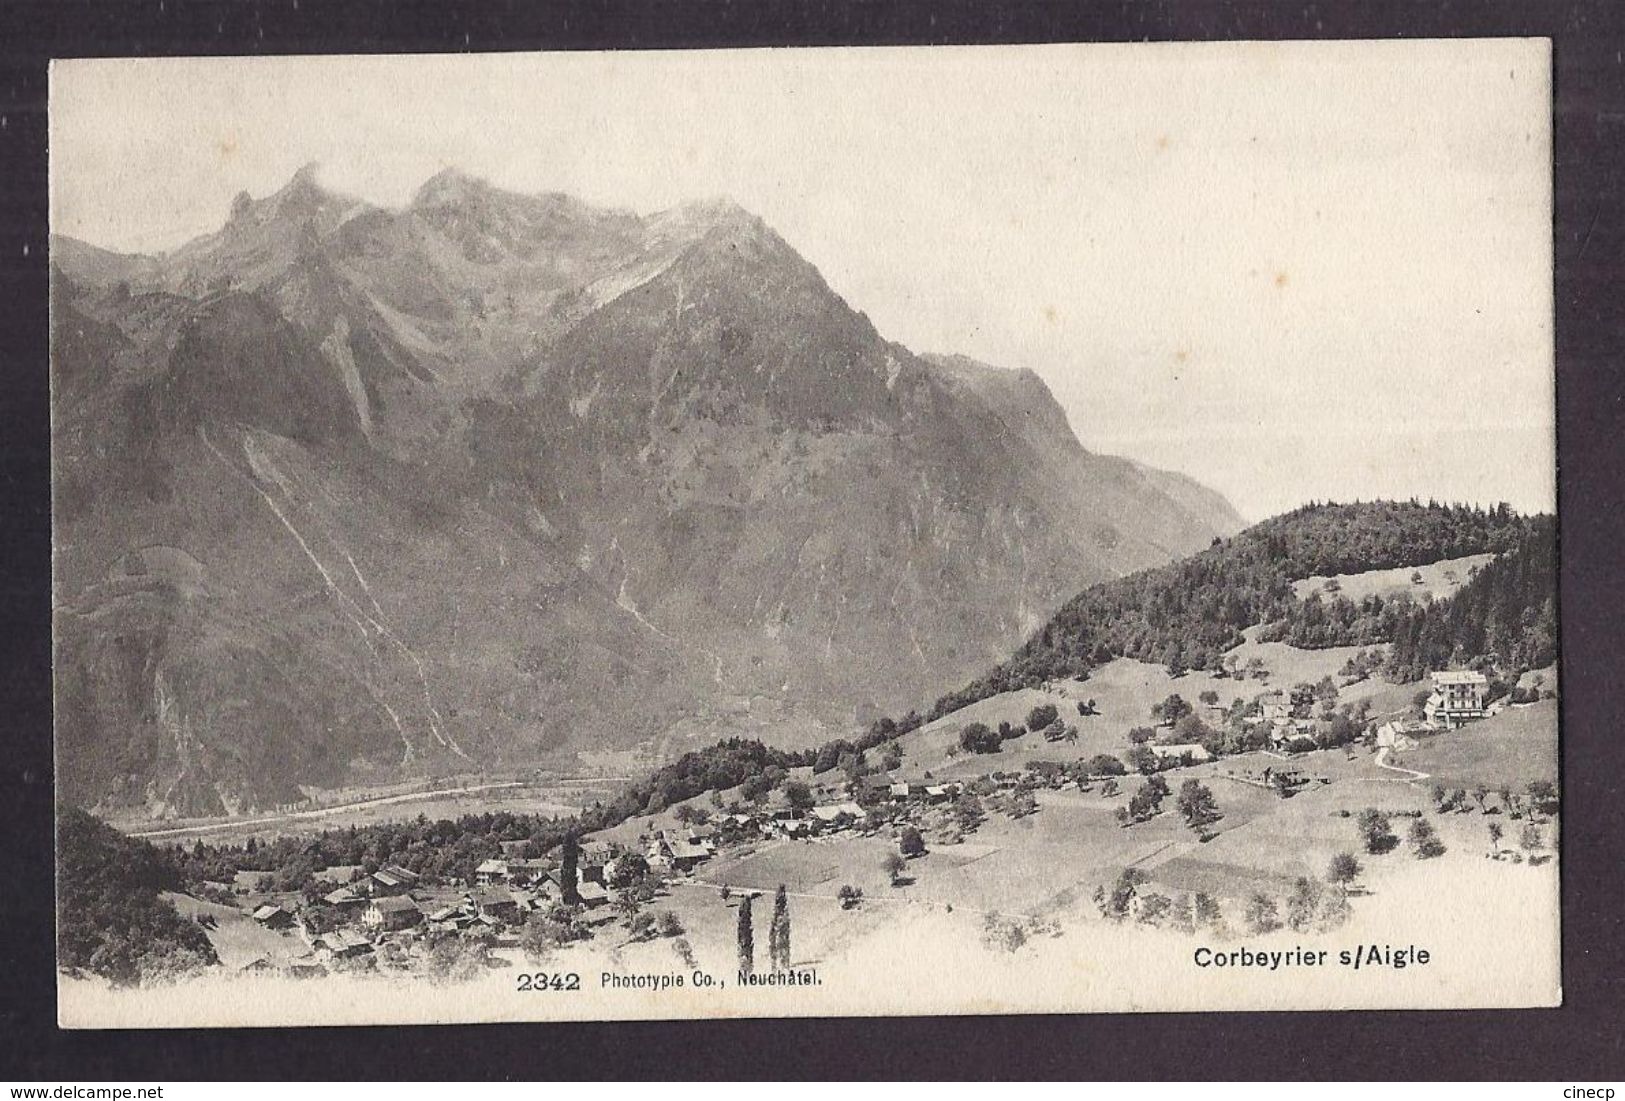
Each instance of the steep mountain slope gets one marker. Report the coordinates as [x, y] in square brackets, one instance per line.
[345, 492]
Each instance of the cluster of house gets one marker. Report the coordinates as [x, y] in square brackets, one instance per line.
[1285, 715]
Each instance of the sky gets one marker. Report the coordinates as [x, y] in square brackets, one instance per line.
[1294, 271]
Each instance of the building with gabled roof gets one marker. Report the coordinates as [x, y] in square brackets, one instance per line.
[391, 912]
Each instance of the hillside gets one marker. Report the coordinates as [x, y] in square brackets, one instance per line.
[111, 918]
[345, 493]
[1187, 614]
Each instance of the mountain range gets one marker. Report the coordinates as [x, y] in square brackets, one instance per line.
[344, 494]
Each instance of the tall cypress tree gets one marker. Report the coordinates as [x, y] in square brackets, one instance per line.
[567, 871]
[747, 942]
[778, 942]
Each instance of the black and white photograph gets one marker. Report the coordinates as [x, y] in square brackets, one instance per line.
[925, 530]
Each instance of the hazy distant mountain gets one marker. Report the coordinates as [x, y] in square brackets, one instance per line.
[345, 492]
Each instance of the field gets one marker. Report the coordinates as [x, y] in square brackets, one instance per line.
[1503, 751]
[1439, 579]
[237, 938]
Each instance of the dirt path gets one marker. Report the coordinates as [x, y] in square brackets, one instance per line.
[1415, 777]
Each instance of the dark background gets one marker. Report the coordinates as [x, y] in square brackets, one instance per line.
[1584, 1040]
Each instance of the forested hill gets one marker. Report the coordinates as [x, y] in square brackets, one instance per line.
[1505, 616]
[1186, 614]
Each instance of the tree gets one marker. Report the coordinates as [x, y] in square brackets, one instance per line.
[1041, 716]
[457, 959]
[641, 926]
[1530, 838]
[778, 935]
[1145, 802]
[1103, 764]
[910, 843]
[545, 932]
[799, 795]
[850, 896]
[1209, 697]
[1154, 908]
[1303, 904]
[684, 814]
[1170, 710]
[1141, 735]
[1376, 830]
[747, 943]
[1343, 870]
[1207, 910]
[1116, 904]
[968, 811]
[893, 867]
[669, 924]
[630, 868]
[1495, 837]
[1543, 796]
[1424, 841]
[569, 882]
[1197, 804]
[1142, 760]
[1262, 915]
[979, 738]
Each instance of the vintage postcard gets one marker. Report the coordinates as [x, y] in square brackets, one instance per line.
[804, 532]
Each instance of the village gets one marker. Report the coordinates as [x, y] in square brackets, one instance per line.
[633, 882]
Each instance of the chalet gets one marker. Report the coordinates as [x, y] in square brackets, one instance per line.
[592, 895]
[341, 944]
[685, 855]
[1276, 713]
[875, 784]
[528, 871]
[1393, 735]
[392, 912]
[1194, 751]
[392, 879]
[496, 904]
[1458, 698]
[832, 813]
[345, 899]
[448, 915]
[936, 793]
[898, 792]
[491, 872]
[273, 917]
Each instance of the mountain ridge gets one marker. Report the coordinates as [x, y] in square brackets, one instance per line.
[520, 478]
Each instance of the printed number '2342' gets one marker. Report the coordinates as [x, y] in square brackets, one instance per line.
[542, 981]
